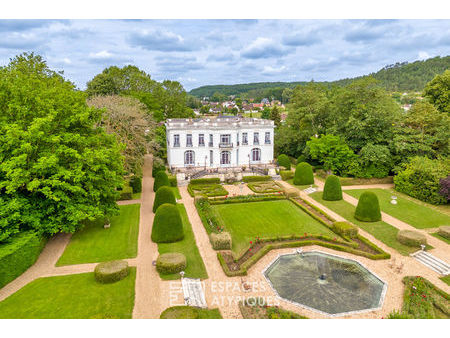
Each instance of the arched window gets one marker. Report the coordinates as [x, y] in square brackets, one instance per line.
[225, 157]
[256, 154]
[189, 157]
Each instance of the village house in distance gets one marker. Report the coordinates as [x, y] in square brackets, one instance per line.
[227, 147]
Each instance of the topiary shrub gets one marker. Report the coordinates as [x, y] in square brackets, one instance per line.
[111, 272]
[158, 165]
[303, 174]
[332, 190]
[256, 178]
[368, 208]
[173, 180]
[136, 184]
[291, 192]
[164, 195]
[220, 241]
[172, 262]
[345, 229]
[444, 231]
[208, 180]
[283, 161]
[286, 174]
[126, 193]
[301, 159]
[167, 224]
[411, 238]
[161, 180]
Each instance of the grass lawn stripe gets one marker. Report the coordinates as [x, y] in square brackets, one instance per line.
[418, 215]
[195, 266]
[94, 244]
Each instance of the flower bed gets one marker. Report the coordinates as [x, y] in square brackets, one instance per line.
[207, 189]
[265, 187]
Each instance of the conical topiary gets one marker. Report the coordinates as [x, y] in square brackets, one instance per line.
[167, 224]
[332, 190]
[163, 195]
[283, 160]
[303, 174]
[368, 208]
[161, 179]
[301, 159]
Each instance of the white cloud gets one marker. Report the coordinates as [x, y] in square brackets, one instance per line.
[272, 70]
[104, 54]
[67, 61]
[424, 55]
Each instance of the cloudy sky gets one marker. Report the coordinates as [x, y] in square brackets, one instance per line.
[202, 52]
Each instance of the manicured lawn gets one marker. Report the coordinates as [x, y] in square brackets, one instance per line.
[176, 192]
[446, 240]
[71, 296]
[137, 196]
[94, 244]
[246, 221]
[195, 267]
[383, 231]
[189, 312]
[418, 215]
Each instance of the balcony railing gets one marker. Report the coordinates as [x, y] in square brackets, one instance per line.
[225, 145]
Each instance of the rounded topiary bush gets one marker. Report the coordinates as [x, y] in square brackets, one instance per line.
[110, 272]
[163, 195]
[161, 179]
[411, 238]
[301, 159]
[167, 224]
[221, 241]
[283, 160]
[332, 190]
[180, 312]
[444, 231]
[136, 184]
[171, 262]
[368, 208]
[303, 174]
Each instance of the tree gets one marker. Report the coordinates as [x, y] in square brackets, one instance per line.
[57, 169]
[437, 91]
[205, 109]
[373, 161]
[284, 161]
[275, 116]
[445, 187]
[128, 119]
[332, 152]
[265, 114]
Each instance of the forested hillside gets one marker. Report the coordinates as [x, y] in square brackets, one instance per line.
[397, 77]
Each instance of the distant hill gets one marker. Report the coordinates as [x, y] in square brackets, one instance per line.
[402, 76]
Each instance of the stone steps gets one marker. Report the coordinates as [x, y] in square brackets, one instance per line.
[310, 190]
[432, 262]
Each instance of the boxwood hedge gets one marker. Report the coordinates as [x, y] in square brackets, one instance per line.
[163, 195]
[167, 225]
[368, 208]
[284, 161]
[303, 174]
[161, 180]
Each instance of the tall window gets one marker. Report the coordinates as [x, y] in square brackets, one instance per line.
[211, 159]
[189, 140]
[176, 140]
[256, 154]
[267, 138]
[201, 140]
[255, 138]
[244, 138]
[189, 157]
[225, 157]
[211, 143]
[225, 139]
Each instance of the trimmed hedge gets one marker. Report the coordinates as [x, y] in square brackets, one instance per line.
[111, 272]
[126, 193]
[164, 195]
[173, 180]
[345, 229]
[220, 241]
[444, 231]
[332, 190]
[18, 254]
[248, 179]
[368, 208]
[411, 238]
[301, 159]
[284, 161]
[161, 179]
[136, 184]
[167, 225]
[286, 174]
[208, 190]
[171, 262]
[158, 165]
[205, 180]
[303, 174]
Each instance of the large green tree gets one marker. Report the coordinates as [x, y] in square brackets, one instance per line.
[437, 91]
[57, 168]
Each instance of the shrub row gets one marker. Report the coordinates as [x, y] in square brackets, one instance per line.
[111, 272]
[207, 215]
[444, 231]
[136, 184]
[256, 178]
[411, 238]
[312, 214]
[220, 241]
[205, 180]
[161, 179]
[173, 180]
[17, 255]
[247, 198]
[345, 229]
[286, 174]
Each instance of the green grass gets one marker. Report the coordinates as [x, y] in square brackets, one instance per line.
[71, 296]
[382, 231]
[446, 240]
[446, 279]
[246, 221]
[301, 187]
[176, 192]
[189, 312]
[94, 244]
[195, 267]
[418, 215]
[137, 196]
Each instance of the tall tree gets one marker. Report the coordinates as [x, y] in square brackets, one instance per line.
[56, 167]
[275, 116]
[437, 91]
